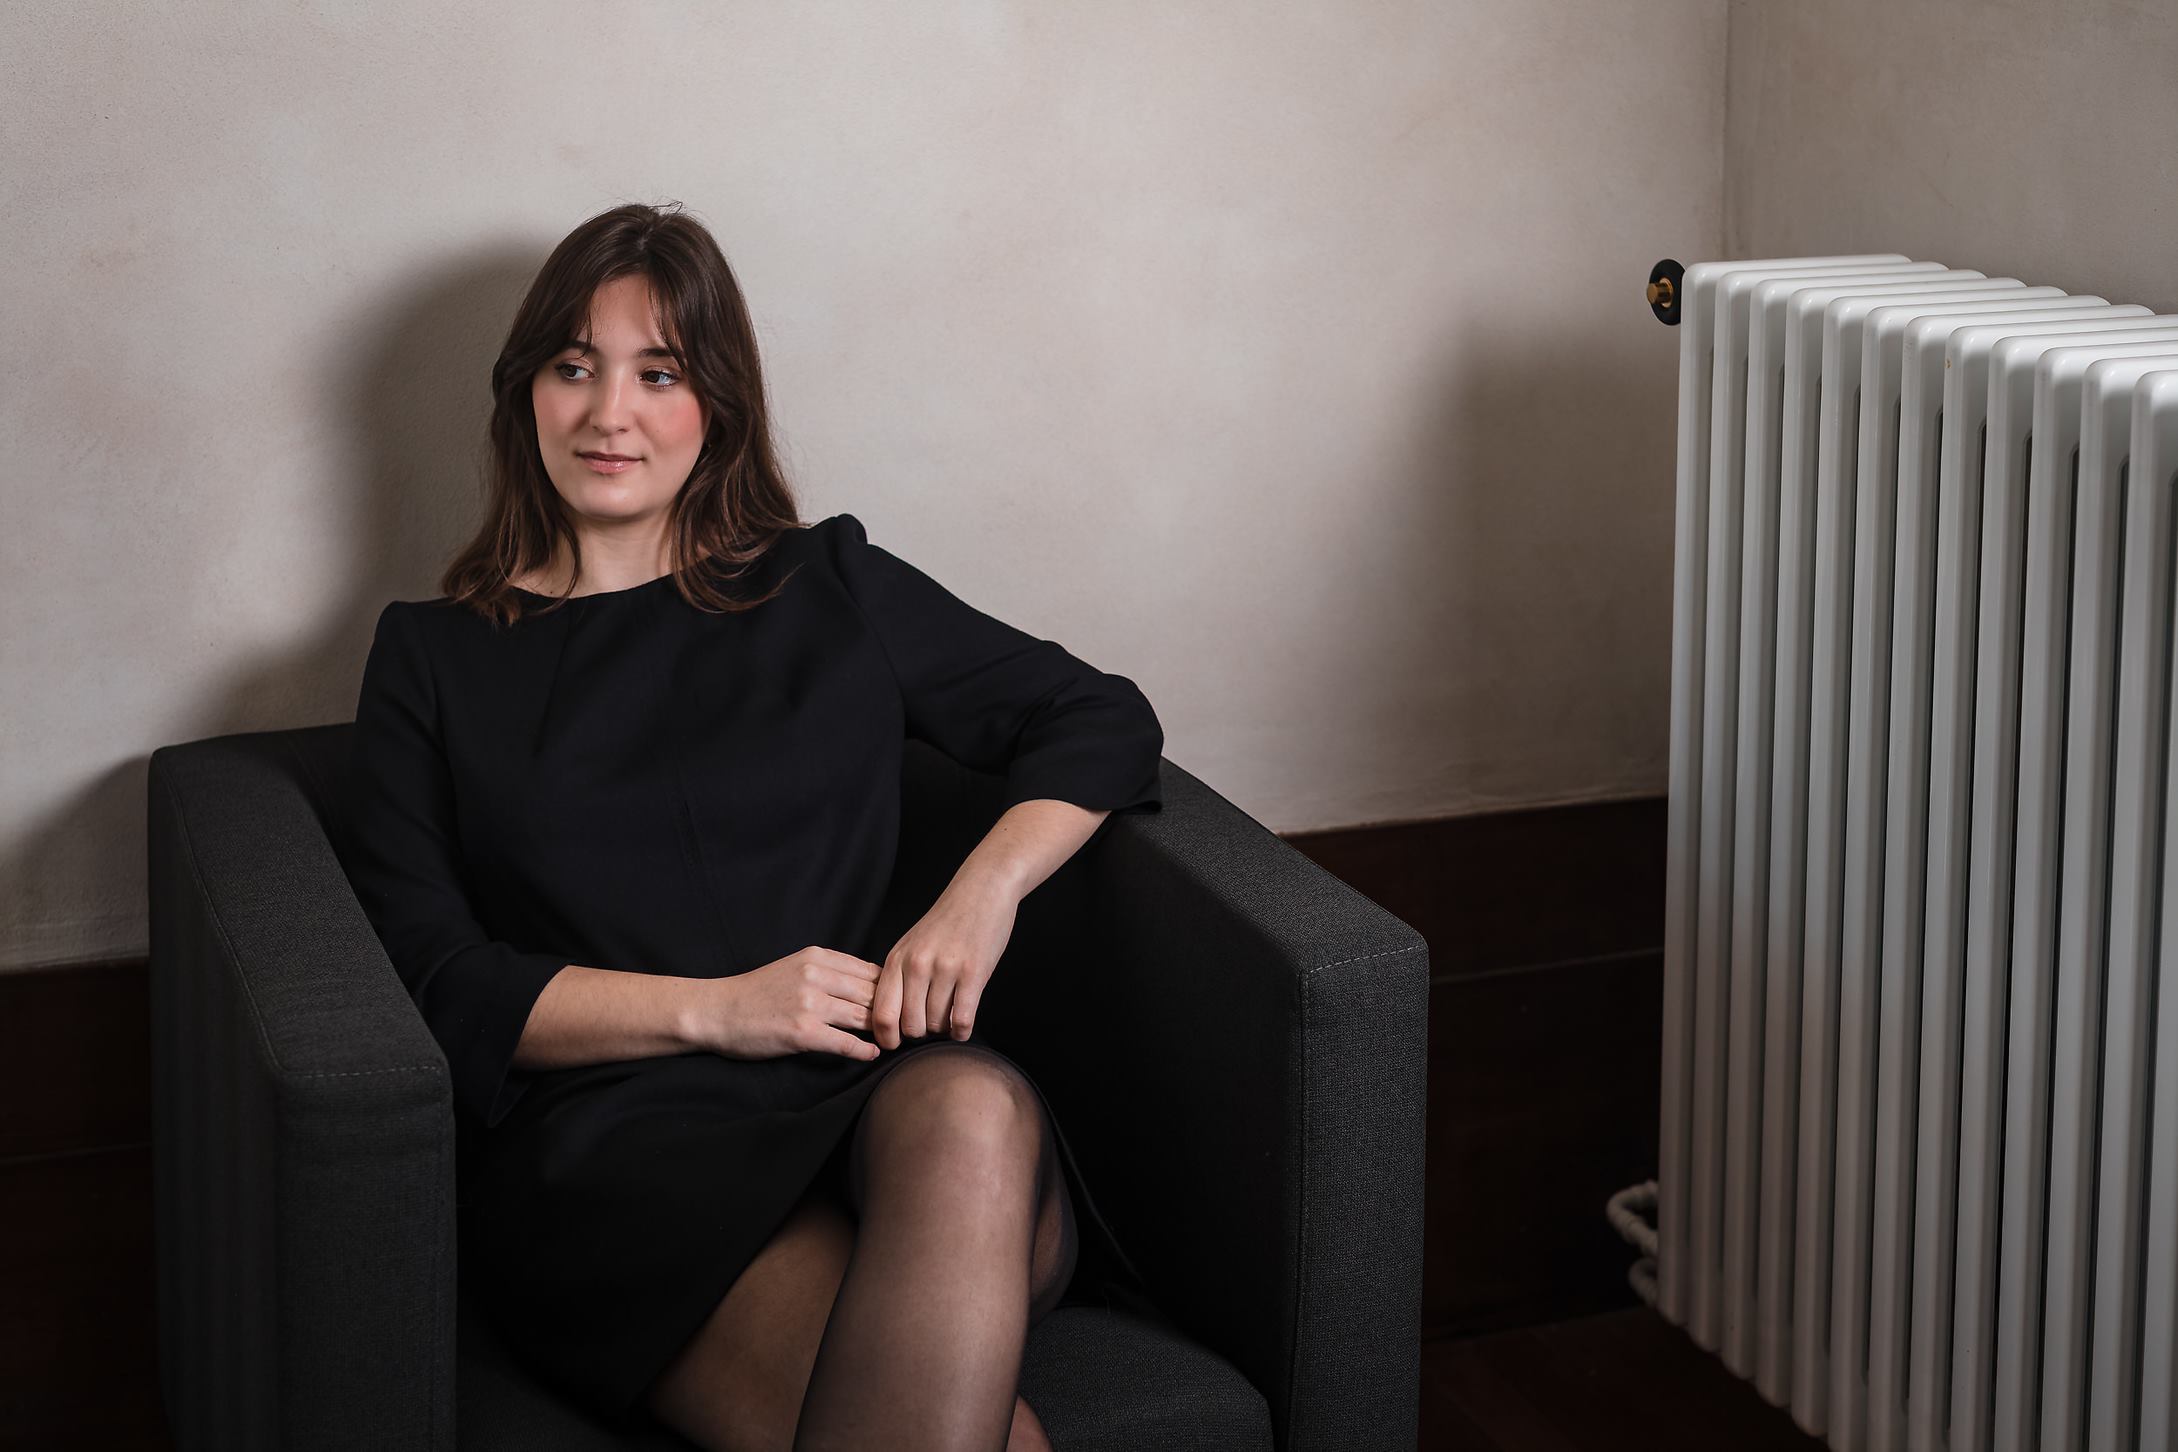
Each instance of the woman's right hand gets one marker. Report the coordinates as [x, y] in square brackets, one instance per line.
[804, 1001]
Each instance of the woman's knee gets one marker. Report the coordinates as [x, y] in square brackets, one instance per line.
[943, 1105]
[955, 1088]
[973, 1088]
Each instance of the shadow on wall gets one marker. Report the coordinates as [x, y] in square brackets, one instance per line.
[1505, 625]
[407, 382]
[1514, 629]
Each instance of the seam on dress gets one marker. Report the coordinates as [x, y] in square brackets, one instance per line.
[849, 591]
[552, 683]
[692, 854]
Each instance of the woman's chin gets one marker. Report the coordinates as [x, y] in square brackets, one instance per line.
[604, 502]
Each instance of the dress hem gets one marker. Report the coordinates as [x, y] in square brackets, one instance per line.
[619, 1392]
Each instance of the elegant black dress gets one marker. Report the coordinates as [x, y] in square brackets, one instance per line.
[631, 783]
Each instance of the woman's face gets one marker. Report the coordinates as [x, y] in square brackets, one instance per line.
[617, 393]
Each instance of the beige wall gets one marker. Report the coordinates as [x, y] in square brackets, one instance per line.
[2018, 137]
[1289, 359]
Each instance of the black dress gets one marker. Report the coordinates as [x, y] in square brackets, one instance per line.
[631, 783]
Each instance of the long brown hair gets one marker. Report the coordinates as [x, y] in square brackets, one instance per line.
[736, 501]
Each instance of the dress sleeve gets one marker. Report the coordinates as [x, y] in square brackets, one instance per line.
[475, 993]
[998, 699]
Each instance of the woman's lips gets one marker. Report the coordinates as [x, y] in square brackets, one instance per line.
[608, 466]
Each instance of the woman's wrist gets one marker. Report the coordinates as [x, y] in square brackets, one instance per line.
[992, 878]
[697, 1008]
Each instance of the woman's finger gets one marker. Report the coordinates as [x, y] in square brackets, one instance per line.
[939, 1002]
[914, 1002]
[885, 1006]
[849, 963]
[965, 998]
[854, 989]
[839, 1041]
[853, 1003]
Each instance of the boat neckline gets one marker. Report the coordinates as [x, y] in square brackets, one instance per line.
[709, 563]
[596, 594]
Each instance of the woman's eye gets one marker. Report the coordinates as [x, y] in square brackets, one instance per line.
[568, 371]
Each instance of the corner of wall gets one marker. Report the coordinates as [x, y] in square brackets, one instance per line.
[1727, 194]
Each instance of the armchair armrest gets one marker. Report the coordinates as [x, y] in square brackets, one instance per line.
[1238, 1041]
[303, 1133]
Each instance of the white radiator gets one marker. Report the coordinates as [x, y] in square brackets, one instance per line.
[1919, 1172]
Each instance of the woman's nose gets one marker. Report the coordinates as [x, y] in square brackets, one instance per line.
[608, 406]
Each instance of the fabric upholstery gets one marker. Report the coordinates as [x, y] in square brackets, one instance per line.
[1235, 1040]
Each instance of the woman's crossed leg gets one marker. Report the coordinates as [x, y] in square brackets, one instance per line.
[890, 1310]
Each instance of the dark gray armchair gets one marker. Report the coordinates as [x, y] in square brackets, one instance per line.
[1233, 1039]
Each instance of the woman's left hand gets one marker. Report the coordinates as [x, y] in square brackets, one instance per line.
[934, 976]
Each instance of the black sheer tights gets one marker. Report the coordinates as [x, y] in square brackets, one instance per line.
[965, 1238]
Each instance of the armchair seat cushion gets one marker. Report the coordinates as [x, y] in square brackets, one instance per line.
[1101, 1380]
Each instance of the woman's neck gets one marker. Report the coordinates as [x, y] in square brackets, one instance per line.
[607, 564]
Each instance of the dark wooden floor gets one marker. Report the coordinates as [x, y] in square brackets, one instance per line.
[1627, 1381]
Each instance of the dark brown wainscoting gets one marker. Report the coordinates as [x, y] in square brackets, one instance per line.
[1545, 930]
[78, 1320]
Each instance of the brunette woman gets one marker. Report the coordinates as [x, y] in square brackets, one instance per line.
[625, 803]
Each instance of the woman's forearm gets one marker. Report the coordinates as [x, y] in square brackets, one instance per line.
[1027, 844]
[600, 1015]
[595, 1015]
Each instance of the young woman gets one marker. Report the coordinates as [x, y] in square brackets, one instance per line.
[625, 802]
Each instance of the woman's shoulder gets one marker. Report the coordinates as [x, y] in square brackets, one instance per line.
[408, 633]
[791, 549]
[403, 616]
[419, 616]
[832, 541]
[835, 529]
[419, 631]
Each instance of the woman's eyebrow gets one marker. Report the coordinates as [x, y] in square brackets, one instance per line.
[584, 345]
